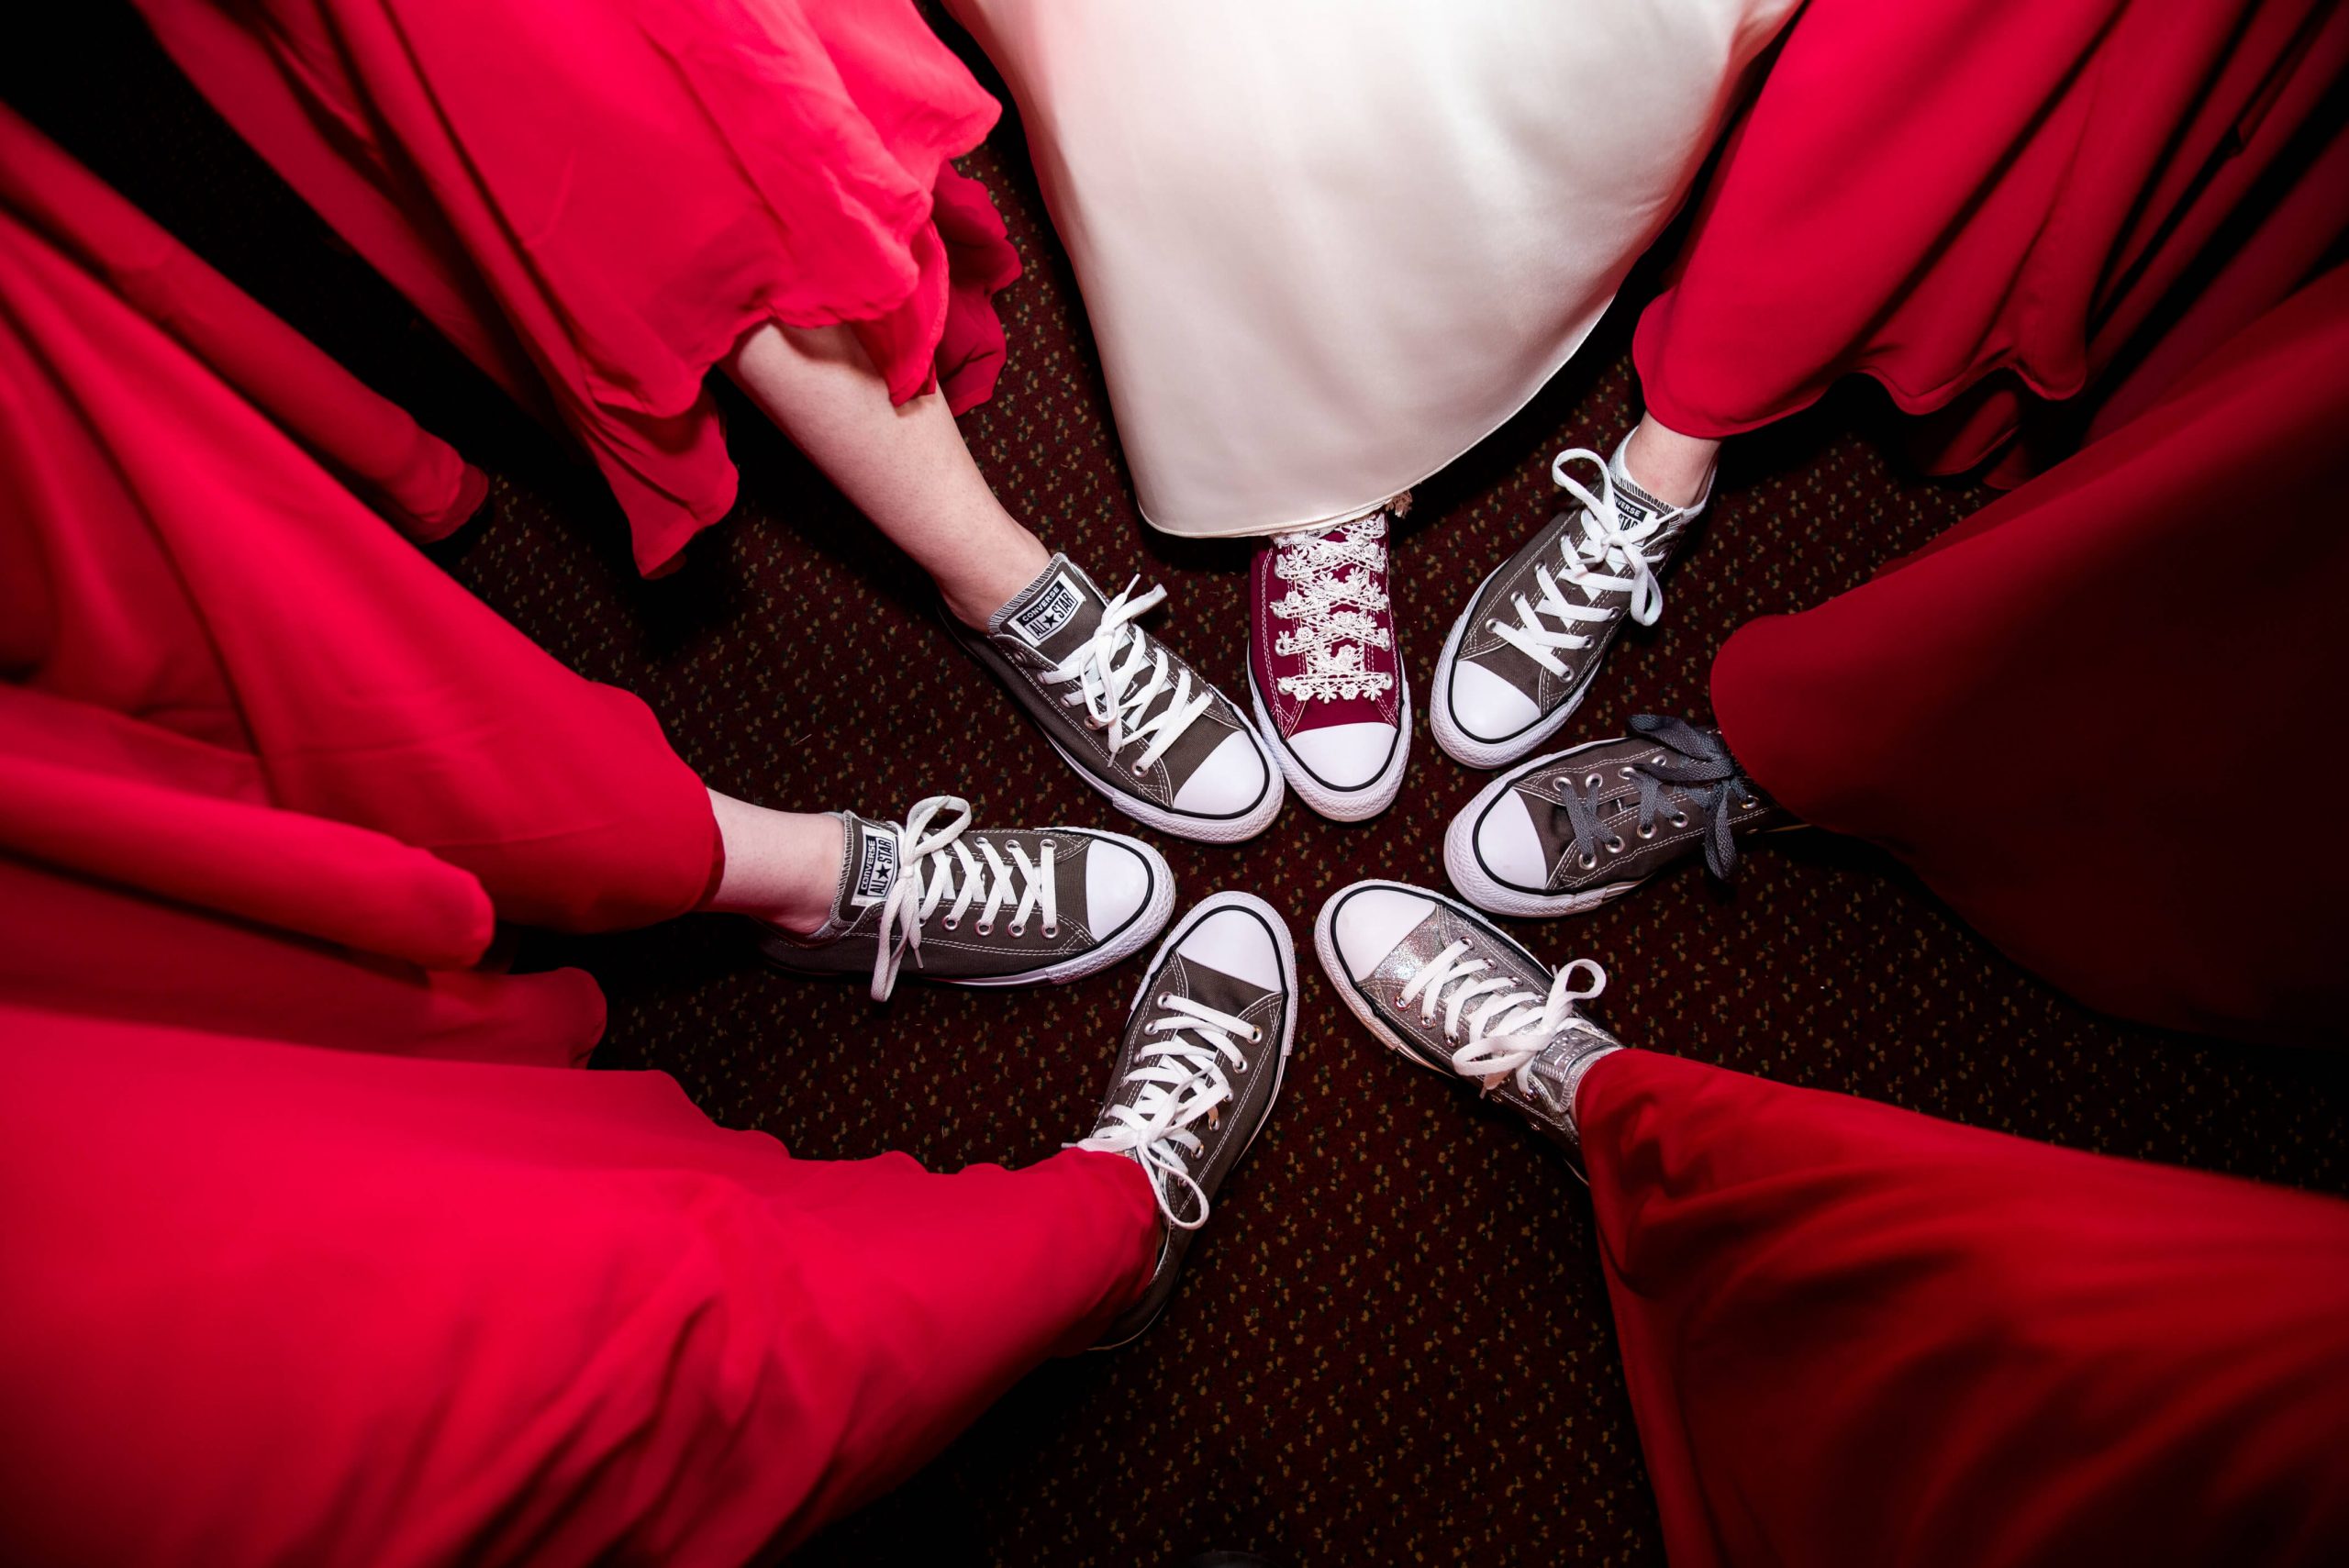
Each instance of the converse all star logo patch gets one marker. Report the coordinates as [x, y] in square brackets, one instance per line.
[1633, 505]
[877, 871]
[1049, 612]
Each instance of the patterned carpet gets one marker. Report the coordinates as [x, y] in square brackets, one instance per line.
[1393, 1343]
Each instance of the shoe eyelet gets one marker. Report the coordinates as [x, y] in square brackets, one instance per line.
[1050, 931]
[1623, 772]
[950, 922]
[1680, 820]
[1256, 1036]
[1647, 830]
[1017, 930]
[1588, 864]
[984, 928]
[1140, 770]
[1165, 1000]
[1590, 782]
[1615, 845]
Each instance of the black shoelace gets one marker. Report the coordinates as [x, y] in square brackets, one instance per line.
[1696, 768]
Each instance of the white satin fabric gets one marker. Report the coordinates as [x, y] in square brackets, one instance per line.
[1329, 245]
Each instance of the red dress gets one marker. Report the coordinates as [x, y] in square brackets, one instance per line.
[597, 199]
[2089, 716]
[1857, 1335]
[1987, 206]
[267, 780]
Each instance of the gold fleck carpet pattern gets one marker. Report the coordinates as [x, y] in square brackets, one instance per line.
[1392, 1345]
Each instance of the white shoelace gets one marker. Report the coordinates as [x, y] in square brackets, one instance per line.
[1604, 542]
[1119, 673]
[1336, 600]
[1514, 1026]
[1183, 1079]
[927, 867]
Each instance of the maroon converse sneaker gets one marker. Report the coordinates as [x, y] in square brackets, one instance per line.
[1327, 673]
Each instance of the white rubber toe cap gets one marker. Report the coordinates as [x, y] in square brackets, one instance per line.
[1117, 882]
[1507, 845]
[1345, 756]
[1369, 923]
[1231, 779]
[1487, 707]
[1237, 942]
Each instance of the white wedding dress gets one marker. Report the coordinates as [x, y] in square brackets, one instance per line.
[1329, 245]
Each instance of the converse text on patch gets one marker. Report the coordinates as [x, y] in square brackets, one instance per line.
[877, 871]
[1049, 612]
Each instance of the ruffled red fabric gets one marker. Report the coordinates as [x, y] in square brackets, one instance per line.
[414, 478]
[1854, 1335]
[597, 202]
[2066, 715]
[1992, 209]
[267, 780]
[262, 764]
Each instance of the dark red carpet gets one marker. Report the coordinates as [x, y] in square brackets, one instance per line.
[1393, 1343]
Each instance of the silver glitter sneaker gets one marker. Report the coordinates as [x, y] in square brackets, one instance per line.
[1443, 986]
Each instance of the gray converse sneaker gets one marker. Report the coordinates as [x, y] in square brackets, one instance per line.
[1522, 655]
[980, 907]
[1569, 831]
[1135, 722]
[1443, 985]
[1199, 1070]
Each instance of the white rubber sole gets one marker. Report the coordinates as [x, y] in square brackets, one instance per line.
[1287, 947]
[1457, 743]
[1181, 825]
[1338, 804]
[1477, 885]
[1325, 948]
[1138, 934]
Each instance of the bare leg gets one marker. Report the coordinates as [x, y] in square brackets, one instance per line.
[904, 465]
[1668, 465]
[783, 866]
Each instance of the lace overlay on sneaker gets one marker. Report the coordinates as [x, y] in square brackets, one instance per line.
[1336, 607]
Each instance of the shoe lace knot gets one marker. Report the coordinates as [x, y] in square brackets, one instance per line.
[1337, 606]
[936, 865]
[1118, 674]
[1597, 555]
[1513, 1026]
[1184, 1076]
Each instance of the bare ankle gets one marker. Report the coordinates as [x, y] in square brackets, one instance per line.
[1670, 466]
[783, 867]
[992, 579]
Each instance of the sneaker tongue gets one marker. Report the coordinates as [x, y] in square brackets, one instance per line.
[1633, 506]
[1055, 613]
[868, 869]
